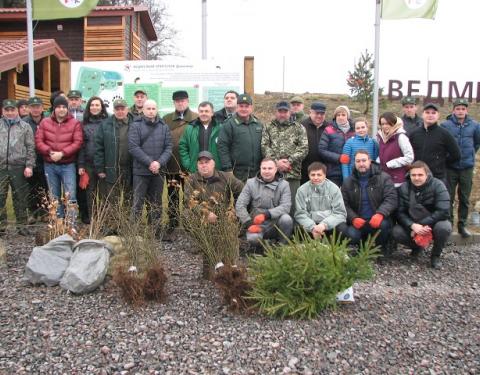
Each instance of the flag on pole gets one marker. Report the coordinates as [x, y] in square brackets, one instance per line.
[400, 9]
[56, 9]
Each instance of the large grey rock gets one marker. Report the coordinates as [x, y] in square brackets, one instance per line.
[48, 263]
[88, 266]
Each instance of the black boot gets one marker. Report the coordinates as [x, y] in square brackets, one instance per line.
[435, 262]
[464, 232]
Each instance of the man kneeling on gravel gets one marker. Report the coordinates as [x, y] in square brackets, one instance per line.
[269, 199]
[210, 186]
[319, 206]
[423, 213]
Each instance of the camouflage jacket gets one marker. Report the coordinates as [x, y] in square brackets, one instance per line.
[286, 140]
[17, 146]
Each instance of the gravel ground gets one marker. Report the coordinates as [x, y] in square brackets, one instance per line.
[408, 320]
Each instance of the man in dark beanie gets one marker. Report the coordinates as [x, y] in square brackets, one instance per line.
[22, 106]
[177, 121]
[58, 139]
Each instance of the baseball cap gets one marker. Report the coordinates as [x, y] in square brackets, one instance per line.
[205, 154]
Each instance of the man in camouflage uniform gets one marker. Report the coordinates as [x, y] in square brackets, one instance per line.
[286, 142]
[17, 159]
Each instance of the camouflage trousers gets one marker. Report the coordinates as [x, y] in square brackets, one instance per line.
[13, 177]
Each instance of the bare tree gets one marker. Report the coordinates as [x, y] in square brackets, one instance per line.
[166, 34]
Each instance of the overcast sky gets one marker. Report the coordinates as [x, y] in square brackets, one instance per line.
[321, 39]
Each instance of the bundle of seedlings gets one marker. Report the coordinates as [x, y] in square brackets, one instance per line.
[232, 280]
[214, 229]
[303, 277]
[57, 226]
[137, 269]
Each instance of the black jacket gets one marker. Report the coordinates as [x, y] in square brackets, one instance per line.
[436, 147]
[381, 193]
[149, 141]
[433, 195]
[410, 124]
[313, 134]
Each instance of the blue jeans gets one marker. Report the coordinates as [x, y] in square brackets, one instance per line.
[58, 175]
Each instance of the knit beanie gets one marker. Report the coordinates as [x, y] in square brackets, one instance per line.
[340, 108]
[60, 100]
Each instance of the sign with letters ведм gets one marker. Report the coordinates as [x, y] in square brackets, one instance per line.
[203, 80]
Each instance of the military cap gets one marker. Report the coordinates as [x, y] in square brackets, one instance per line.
[297, 99]
[430, 106]
[35, 100]
[9, 103]
[21, 102]
[205, 154]
[74, 94]
[408, 100]
[318, 107]
[139, 91]
[181, 94]
[460, 101]
[119, 103]
[244, 99]
[283, 105]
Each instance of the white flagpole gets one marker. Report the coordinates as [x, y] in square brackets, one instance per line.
[31, 60]
[376, 65]
[204, 29]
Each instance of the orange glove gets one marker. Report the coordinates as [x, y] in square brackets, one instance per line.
[254, 229]
[84, 180]
[376, 220]
[423, 240]
[358, 222]
[259, 219]
[344, 159]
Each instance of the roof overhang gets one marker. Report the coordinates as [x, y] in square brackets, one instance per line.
[14, 52]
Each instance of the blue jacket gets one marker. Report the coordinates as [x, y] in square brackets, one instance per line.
[353, 145]
[149, 141]
[330, 149]
[467, 136]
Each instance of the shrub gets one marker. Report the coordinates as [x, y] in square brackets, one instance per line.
[217, 241]
[303, 277]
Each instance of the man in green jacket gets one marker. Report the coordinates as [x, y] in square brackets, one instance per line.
[200, 135]
[112, 159]
[239, 141]
[319, 203]
[177, 121]
[298, 113]
[17, 159]
[139, 98]
[286, 142]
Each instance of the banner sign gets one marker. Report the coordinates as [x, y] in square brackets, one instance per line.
[203, 80]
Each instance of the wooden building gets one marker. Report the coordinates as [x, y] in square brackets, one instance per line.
[107, 33]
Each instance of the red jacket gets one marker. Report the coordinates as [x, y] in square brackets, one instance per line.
[66, 136]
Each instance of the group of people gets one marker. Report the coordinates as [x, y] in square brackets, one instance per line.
[297, 170]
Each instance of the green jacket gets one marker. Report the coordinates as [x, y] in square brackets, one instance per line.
[239, 146]
[286, 141]
[177, 125]
[17, 146]
[189, 146]
[106, 140]
[299, 116]
[322, 203]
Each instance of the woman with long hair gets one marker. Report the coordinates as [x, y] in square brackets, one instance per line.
[95, 113]
[396, 152]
